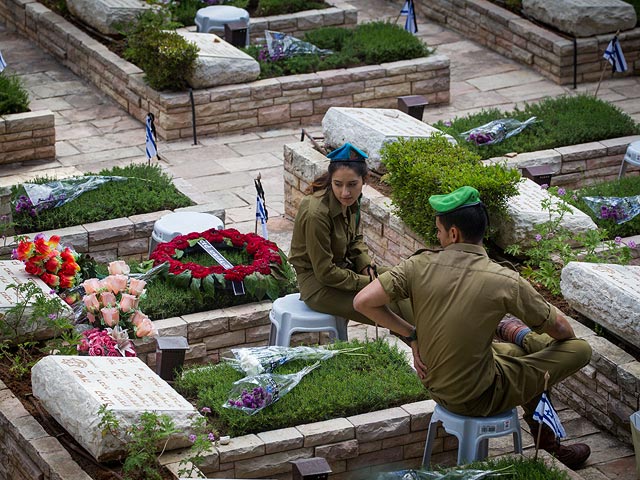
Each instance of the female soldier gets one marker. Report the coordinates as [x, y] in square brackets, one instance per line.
[327, 250]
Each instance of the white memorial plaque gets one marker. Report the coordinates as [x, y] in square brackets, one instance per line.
[73, 388]
[106, 15]
[608, 294]
[524, 211]
[370, 128]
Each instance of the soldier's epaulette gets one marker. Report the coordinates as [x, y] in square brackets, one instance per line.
[422, 250]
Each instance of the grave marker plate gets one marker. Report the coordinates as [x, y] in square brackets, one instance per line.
[370, 128]
[73, 388]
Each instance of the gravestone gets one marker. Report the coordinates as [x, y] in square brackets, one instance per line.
[582, 18]
[608, 294]
[219, 62]
[73, 388]
[106, 15]
[12, 273]
[370, 128]
[524, 211]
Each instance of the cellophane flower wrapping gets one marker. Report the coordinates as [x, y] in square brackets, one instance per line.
[282, 45]
[257, 360]
[55, 264]
[252, 394]
[496, 131]
[618, 209]
[450, 474]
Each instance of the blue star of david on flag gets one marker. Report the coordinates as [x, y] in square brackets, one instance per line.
[613, 54]
[545, 413]
[151, 148]
[3, 64]
[261, 216]
[411, 24]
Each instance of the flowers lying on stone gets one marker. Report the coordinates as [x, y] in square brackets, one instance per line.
[106, 343]
[57, 266]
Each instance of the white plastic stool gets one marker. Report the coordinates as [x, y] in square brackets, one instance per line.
[632, 156]
[290, 314]
[212, 19]
[180, 223]
[473, 433]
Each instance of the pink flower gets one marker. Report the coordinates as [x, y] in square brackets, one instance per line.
[91, 302]
[128, 302]
[111, 316]
[113, 353]
[91, 285]
[138, 318]
[136, 287]
[108, 299]
[116, 283]
[91, 317]
[144, 329]
[119, 268]
[96, 351]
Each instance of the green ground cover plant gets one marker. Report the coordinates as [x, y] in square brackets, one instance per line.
[625, 187]
[148, 189]
[520, 468]
[419, 168]
[13, 96]
[342, 386]
[561, 121]
[367, 44]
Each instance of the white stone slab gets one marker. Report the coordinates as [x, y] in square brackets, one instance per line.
[525, 211]
[582, 18]
[12, 273]
[73, 388]
[608, 294]
[106, 15]
[370, 128]
[219, 62]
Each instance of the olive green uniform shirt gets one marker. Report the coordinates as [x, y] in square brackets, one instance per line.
[459, 296]
[326, 248]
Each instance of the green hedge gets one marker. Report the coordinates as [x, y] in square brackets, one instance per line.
[13, 96]
[419, 168]
[561, 121]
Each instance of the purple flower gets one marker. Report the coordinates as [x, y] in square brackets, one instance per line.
[205, 410]
[618, 240]
[561, 191]
[544, 186]
[631, 244]
[538, 237]
[447, 123]
[14, 254]
[211, 437]
[192, 438]
[38, 237]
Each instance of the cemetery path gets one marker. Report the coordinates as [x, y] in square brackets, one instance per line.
[92, 133]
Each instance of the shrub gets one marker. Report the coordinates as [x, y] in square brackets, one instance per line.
[281, 7]
[521, 468]
[419, 168]
[342, 386]
[148, 189]
[560, 121]
[625, 187]
[13, 96]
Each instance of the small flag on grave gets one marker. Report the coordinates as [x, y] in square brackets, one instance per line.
[408, 9]
[151, 147]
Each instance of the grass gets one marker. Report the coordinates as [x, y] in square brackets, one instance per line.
[342, 386]
[561, 121]
[517, 468]
[148, 189]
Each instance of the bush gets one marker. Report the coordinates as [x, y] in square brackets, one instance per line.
[281, 7]
[561, 121]
[148, 189]
[519, 468]
[13, 96]
[342, 386]
[625, 187]
[419, 168]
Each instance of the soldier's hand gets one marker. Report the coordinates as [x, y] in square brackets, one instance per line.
[421, 368]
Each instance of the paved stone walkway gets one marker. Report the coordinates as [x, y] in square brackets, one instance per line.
[93, 133]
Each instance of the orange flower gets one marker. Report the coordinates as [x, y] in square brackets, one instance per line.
[25, 250]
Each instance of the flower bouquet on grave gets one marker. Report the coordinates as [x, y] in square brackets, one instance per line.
[56, 265]
[257, 360]
[450, 474]
[496, 131]
[618, 209]
[252, 394]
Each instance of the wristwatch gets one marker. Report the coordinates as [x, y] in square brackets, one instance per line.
[412, 336]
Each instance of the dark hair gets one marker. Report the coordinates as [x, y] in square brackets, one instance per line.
[324, 180]
[472, 222]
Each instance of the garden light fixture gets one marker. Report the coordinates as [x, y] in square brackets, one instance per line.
[412, 105]
[170, 356]
[311, 469]
[541, 175]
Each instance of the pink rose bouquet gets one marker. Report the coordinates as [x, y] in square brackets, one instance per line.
[106, 343]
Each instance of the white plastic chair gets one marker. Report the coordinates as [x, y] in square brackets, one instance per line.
[632, 157]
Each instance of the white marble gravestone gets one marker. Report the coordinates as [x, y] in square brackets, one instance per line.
[106, 15]
[73, 388]
[12, 273]
[219, 62]
[524, 211]
[582, 18]
[608, 294]
[370, 128]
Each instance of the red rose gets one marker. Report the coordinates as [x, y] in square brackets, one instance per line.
[50, 279]
[53, 264]
[33, 269]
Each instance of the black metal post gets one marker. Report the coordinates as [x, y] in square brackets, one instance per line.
[193, 116]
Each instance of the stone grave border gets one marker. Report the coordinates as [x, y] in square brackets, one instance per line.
[27, 136]
[607, 391]
[519, 39]
[289, 101]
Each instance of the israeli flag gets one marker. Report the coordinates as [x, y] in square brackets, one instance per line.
[261, 216]
[3, 64]
[410, 25]
[152, 149]
[546, 414]
[615, 57]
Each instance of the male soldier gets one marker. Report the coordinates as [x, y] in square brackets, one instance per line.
[459, 297]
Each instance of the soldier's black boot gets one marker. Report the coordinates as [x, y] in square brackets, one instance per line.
[571, 455]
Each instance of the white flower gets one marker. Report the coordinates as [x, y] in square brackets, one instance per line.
[249, 363]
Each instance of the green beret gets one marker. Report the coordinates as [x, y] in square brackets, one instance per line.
[462, 197]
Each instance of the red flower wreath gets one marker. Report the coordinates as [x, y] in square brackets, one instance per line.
[263, 252]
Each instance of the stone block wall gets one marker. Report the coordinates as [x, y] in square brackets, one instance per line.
[27, 136]
[517, 38]
[284, 101]
[607, 390]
